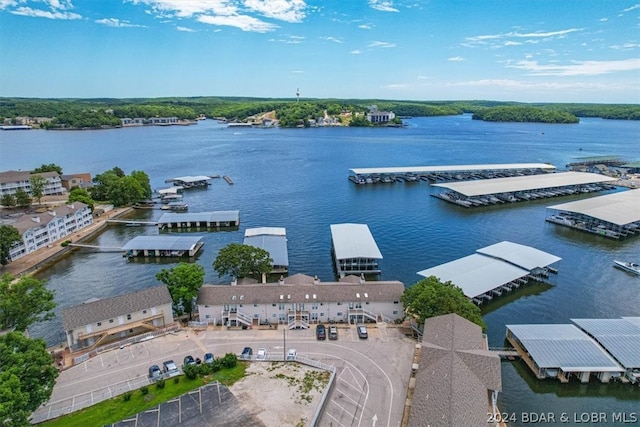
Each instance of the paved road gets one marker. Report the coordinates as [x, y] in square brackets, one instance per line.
[371, 381]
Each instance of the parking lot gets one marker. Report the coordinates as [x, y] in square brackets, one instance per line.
[371, 374]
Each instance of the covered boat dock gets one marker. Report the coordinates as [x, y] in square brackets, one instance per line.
[191, 181]
[272, 240]
[445, 172]
[163, 246]
[613, 215]
[354, 249]
[495, 270]
[562, 351]
[620, 338]
[521, 188]
[216, 219]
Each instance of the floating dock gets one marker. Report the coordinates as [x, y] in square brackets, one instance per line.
[354, 249]
[163, 246]
[495, 270]
[272, 240]
[216, 219]
[198, 181]
[613, 215]
[228, 179]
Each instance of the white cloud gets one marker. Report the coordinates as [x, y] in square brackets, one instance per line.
[115, 22]
[185, 29]
[394, 86]
[332, 39]
[59, 4]
[382, 5]
[356, 52]
[243, 22]
[511, 43]
[189, 8]
[578, 68]
[7, 3]
[634, 7]
[381, 44]
[604, 19]
[493, 40]
[625, 46]
[517, 85]
[38, 13]
[365, 27]
[456, 58]
[283, 10]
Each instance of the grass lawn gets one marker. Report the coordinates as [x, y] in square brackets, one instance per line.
[116, 409]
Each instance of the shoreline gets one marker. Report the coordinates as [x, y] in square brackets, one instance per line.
[41, 258]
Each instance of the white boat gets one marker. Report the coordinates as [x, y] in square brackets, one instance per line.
[631, 267]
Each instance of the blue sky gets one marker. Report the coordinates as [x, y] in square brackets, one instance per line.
[528, 51]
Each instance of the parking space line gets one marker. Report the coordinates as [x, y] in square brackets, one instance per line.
[343, 409]
[336, 420]
[340, 377]
[344, 395]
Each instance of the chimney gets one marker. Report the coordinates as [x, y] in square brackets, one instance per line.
[35, 219]
[234, 281]
[362, 278]
[316, 280]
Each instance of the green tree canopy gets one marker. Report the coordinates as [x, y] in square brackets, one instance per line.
[8, 200]
[9, 235]
[27, 377]
[51, 167]
[22, 198]
[183, 281]
[81, 195]
[37, 182]
[242, 261]
[24, 302]
[118, 188]
[429, 298]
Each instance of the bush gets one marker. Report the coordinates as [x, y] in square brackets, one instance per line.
[229, 361]
[65, 243]
[144, 390]
[191, 371]
[127, 396]
[176, 380]
[160, 383]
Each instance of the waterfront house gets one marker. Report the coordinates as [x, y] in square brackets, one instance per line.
[458, 378]
[379, 117]
[11, 181]
[298, 301]
[100, 321]
[76, 180]
[42, 229]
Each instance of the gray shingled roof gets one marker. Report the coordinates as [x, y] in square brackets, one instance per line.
[29, 221]
[109, 308]
[455, 375]
[300, 292]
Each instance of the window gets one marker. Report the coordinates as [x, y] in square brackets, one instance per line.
[280, 306]
[395, 302]
[395, 311]
[339, 314]
[255, 305]
[144, 311]
[110, 320]
[99, 323]
[128, 317]
[273, 305]
[233, 298]
[339, 303]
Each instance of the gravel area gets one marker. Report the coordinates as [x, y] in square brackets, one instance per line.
[281, 394]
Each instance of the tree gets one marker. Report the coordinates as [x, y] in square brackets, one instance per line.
[27, 377]
[429, 297]
[242, 260]
[81, 195]
[183, 281]
[23, 199]
[8, 200]
[9, 235]
[51, 167]
[143, 180]
[24, 302]
[38, 183]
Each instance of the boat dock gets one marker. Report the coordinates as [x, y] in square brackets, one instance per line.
[186, 182]
[131, 223]
[388, 175]
[98, 248]
[354, 249]
[216, 219]
[163, 246]
[228, 179]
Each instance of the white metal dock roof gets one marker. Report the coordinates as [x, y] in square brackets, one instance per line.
[272, 240]
[216, 216]
[354, 241]
[523, 183]
[452, 168]
[520, 255]
[476, 274]
[190, 179]
[618, 208]
[565, 347]
[163, 243]
[620, 337]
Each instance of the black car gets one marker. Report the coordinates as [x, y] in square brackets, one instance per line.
[321, 332]
[246, 353]
[189, 360]
[154, 372]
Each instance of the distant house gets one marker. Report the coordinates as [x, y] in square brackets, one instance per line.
[76, 180]
[42, 229]
[378, 117]
[100, 321]
[298, 301]
[457, 378]
[11, 181]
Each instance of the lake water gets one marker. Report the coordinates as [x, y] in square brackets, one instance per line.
[297, 178]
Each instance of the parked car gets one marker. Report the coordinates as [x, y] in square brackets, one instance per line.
[246, 354]
[154, 372]
[321, 332]
[261, 354]
[362, 332]
[169, 367]
[208, 358]
[333, 332]
[189, 360]
[291, 354]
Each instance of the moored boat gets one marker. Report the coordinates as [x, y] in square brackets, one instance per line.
[631, 267]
